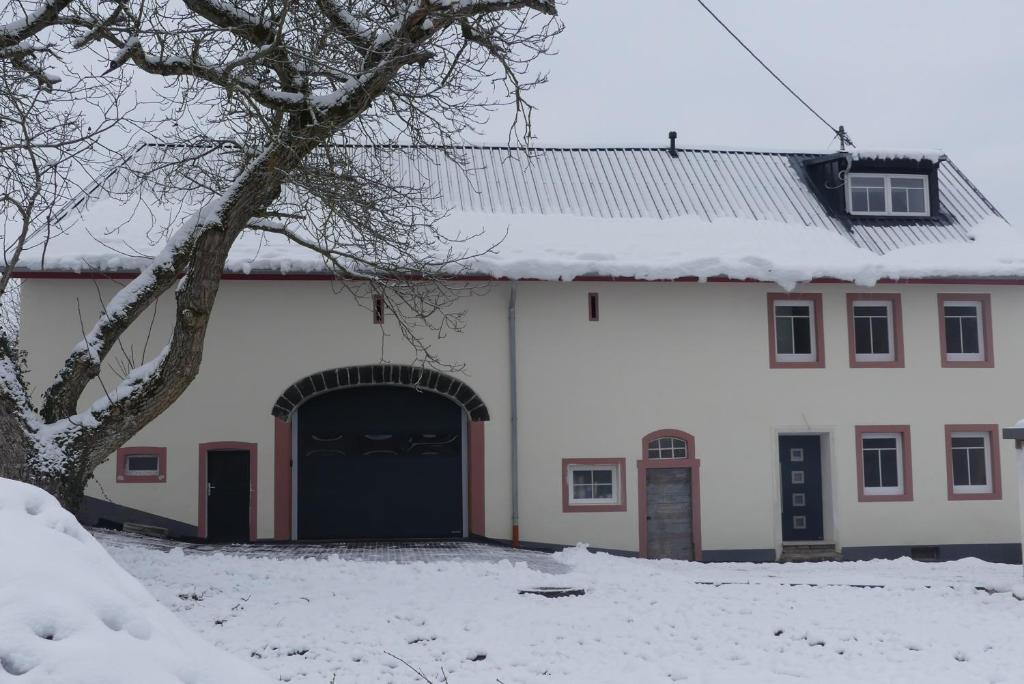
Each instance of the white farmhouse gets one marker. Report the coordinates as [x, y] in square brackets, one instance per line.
[687, 353]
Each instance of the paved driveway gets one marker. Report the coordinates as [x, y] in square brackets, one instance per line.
[387, 552]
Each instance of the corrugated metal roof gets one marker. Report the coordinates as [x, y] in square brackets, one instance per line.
[649, 182]
[642, 182]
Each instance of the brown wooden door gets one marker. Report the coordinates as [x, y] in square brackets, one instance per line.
[669, 513]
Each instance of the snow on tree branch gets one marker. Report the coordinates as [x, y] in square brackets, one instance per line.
[32, 22]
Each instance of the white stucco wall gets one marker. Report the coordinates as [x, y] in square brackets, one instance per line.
[689, 356]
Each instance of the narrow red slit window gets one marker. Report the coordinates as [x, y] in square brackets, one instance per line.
[592, 308]
[378, 309]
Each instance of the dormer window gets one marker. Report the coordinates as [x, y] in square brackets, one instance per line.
[887, 194]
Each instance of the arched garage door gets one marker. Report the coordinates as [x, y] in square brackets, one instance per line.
[379, 462]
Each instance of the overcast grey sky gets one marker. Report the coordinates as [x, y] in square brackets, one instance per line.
[946, 74]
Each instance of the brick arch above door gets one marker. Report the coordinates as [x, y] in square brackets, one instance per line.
[380, 374]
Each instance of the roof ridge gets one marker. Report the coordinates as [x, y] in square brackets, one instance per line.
[720, 149]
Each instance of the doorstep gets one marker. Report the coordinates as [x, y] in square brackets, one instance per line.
[803, 552]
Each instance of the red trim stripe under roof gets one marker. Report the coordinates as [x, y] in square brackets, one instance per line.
[128, 275]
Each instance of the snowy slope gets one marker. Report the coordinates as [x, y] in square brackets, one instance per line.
[70, 615]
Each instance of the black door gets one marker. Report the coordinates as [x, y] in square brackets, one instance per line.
[800, 458]
[379, 462]
[227, 491]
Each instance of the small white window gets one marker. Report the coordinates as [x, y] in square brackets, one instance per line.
[796, 477]
[795, 331]
[965, 337]
[799, 499]
[141, 465]
[796, 455]
[137, 465]
[972, 462]
[873, 331]
[883, 464]
[593, 484]
[799, 522]
[667, 447]
[887, 194]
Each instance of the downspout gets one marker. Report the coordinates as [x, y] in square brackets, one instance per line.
[514, 440]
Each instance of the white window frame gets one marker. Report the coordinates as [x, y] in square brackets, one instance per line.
[812, 321]
[973, 489]
[616, 498]
[129, 473]
[887, 179]
[980, 318]
[884, 491]
[890, 324]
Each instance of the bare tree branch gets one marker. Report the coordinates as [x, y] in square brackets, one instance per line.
[313, 98]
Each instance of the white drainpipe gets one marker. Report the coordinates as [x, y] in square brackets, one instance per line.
[514, 441]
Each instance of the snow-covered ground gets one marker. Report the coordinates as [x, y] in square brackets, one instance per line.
[70, 615]
[337, 620]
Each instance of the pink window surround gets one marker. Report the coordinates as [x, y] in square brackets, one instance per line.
[475, 448]
[204, 450]
[283, 478]
[993, 445]
[819, 331]
[123, 476]
[908, 481]
[986, 330]
[690, 462]
[618, 463]
[897, 328]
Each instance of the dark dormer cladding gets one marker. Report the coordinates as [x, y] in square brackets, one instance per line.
[882, 188]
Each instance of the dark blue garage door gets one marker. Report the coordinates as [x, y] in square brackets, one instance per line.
[379, 462]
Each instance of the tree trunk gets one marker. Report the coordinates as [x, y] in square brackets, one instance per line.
[17, 451]
[68, 489]
[15, 447]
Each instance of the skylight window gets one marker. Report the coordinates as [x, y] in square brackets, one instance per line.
[892, 194]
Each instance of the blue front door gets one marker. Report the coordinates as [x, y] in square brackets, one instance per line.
[800, 460]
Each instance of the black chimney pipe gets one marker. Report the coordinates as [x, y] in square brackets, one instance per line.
[672, 144]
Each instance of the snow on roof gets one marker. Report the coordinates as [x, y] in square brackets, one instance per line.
[620, 212]
[70, 615]
[934, 156]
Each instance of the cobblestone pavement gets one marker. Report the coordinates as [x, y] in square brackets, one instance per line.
[393, 552]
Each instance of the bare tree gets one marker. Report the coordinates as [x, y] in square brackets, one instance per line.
[53, 127]
[286, 116]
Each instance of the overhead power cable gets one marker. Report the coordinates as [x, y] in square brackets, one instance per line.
[840, 132]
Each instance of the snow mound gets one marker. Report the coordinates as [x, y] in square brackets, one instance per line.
[70, 614]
